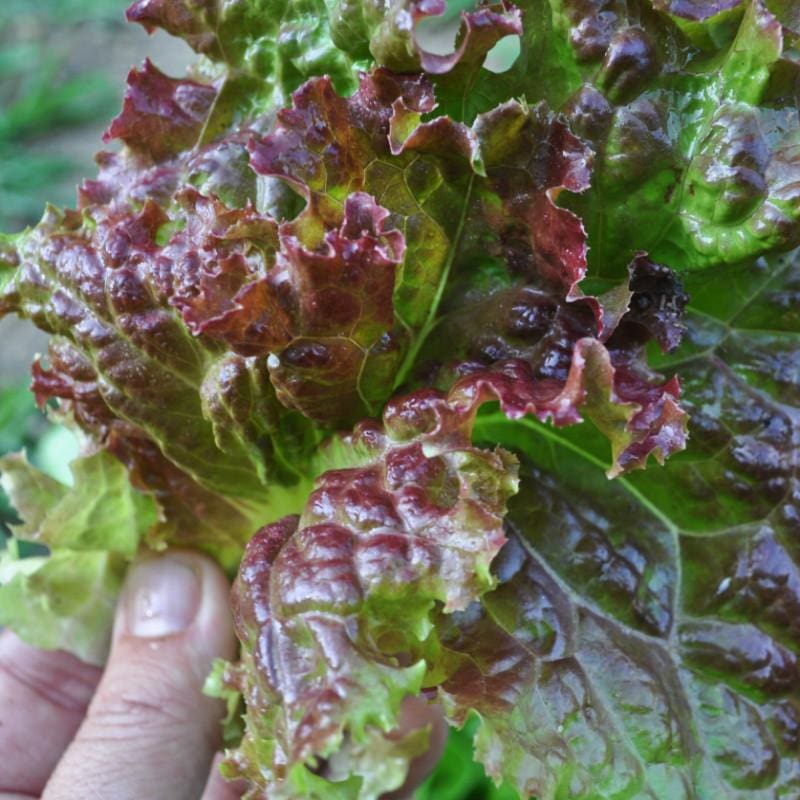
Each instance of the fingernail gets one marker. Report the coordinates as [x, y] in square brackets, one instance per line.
[162, 597]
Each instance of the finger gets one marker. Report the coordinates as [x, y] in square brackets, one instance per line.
[417, 713]
[43, 699]
[218, 788]
[149, 731]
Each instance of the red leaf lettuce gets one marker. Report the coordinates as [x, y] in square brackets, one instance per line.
[336, 290]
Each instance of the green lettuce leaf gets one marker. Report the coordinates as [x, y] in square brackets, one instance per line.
[689, 108]
[691, 114]
[65, 600]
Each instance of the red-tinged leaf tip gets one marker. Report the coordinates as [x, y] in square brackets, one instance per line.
[214, 271]
[381, 88]
[311, 146]
[192, 20]
[539, 354]
[638, 414]
[323, 145]
[530, 157]
[161, 116]
[324, 315]
[345, 287]
[441, 137]
[344, 312]
[658, 428]
[122, 183]
[146, 12]
[71, 377]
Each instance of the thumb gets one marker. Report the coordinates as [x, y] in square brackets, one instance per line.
[149, 732]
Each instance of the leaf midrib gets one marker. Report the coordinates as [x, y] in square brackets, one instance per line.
[430, 319]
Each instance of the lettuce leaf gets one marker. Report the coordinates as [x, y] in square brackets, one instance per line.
[340, 611]
[257, 51]
[331, 270]
[691, 114]
[334, 608]
[92, 528]
[637, 645]
[218, 334]
[689, 108]
[633, 646]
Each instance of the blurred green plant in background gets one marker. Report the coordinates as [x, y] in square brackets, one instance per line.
[46, 88]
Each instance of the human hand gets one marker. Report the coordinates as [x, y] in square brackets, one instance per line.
[141, 728]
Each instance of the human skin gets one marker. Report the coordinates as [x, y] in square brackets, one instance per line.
[141, 727]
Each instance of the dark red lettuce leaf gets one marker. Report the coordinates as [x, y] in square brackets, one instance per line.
[327, 146]
[335, 610]
[347, 352]
[103, 281]
[562, 366]
[160, 115]
[323, 316]
[530, 157]
[643, 638]
[215, 254]
[193, 20]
